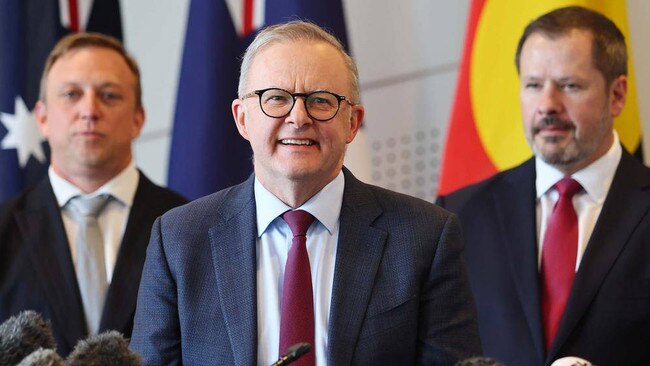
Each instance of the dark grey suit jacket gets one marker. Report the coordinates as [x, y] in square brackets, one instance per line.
[400, 291]
[36, 270]
[607, 318]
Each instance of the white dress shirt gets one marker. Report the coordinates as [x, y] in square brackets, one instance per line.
[273, 243]
[112, 220]
[595, 179]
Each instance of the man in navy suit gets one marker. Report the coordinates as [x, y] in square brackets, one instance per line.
[90, 111]
[572, 64]
[385, 270]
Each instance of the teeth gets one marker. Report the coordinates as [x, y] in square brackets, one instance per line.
[296, 142]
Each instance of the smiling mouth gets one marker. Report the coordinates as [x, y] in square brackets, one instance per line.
[300, 142]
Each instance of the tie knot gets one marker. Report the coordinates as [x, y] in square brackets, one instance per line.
[568, 187]
[298, 221]
[88, 207]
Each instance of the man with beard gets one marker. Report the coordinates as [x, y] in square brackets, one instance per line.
[557, 247]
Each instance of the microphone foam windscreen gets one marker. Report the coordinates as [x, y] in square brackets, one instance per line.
[479, 361]
[42, 357]
[105, 349]
[23, 334]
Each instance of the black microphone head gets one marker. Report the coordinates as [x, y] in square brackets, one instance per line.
[479, 361]
[23, 334]
[297, 350]
[105, 349]
[42, 357]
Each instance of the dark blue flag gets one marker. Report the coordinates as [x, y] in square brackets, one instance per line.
[28, 31]
[207, 152]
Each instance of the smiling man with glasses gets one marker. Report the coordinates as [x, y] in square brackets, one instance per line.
[303, 251]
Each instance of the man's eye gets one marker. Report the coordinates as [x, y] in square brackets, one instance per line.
[278, 98]
[533, 86]
[570, 86]
[71, 94]
[317, 100]
[111, 96]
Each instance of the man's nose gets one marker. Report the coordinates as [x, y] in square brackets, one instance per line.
[298, 115]
[89, 106]
[550, 101]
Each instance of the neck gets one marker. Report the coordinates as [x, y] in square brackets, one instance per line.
[294, 193]
[88, 179]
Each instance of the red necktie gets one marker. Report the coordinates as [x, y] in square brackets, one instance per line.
[559, 258]
[297, 314]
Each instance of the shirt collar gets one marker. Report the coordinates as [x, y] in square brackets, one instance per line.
[122, 187]
[595, 179]
[325, 205]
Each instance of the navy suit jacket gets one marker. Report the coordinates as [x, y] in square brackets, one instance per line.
[400, 291]
[607, 318]
[36, 269]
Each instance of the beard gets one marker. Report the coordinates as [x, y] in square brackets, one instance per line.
[557, 151]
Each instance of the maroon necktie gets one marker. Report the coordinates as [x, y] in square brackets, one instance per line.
[297, 314]
[559, 258]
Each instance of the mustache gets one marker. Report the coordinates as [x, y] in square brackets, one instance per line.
[552, 121]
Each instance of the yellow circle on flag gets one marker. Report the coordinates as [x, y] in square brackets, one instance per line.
[494, 83]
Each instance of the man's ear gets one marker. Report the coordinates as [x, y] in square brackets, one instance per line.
[40, 112]
[618, 95]
[356, 120]
[239, 115]
[138, 121]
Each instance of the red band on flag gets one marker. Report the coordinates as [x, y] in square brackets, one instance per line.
[73, 12]
[248, 16]
[465, 160]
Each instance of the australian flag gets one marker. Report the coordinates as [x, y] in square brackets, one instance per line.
[207, 152]
[28, 31]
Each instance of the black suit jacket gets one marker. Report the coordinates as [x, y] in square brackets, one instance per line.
[400, 294]
[607, 318]
[36, 269]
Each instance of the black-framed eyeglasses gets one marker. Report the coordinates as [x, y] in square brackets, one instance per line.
[321, 105]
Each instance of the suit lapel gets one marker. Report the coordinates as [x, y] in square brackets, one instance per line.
[122, 293]
[233, 244]
[514, 205]
[627, 203]
[359, 252]
[42, 226]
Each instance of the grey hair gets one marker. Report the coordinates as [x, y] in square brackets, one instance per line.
[293, 31]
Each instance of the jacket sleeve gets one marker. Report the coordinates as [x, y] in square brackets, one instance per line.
[448, 329]
[156, 331]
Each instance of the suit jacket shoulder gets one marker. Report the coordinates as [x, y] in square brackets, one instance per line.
[521, 177]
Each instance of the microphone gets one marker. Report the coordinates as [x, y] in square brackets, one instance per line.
[571, 361]
[23, 334]
[42, 357]
[293, 353]
[105, 349]
[479, 361]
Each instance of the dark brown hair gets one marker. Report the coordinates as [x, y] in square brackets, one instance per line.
[609, 53]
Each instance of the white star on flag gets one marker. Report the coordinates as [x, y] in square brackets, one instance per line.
[23, 134]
